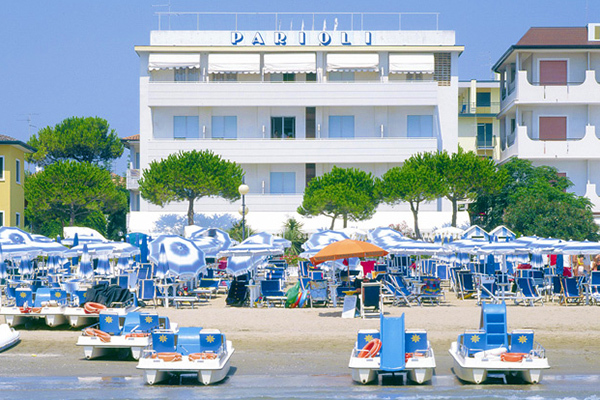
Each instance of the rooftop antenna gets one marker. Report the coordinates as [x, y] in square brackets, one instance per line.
[29, 124]
[169, 8]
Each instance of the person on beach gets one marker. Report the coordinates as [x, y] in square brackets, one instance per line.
[596, 263]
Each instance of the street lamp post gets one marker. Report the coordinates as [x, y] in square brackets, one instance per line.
[243, 189]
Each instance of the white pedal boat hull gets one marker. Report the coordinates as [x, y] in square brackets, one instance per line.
[93, 347]
[8, 337]
[365, 370]
[53, 316]
[476, 370]
[208, 371]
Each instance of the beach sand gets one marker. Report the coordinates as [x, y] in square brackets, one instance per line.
[317, 341]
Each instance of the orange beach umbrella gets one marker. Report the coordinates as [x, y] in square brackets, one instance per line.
[347, 248]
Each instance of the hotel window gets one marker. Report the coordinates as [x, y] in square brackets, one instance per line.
[484, 136]
[135, 202]
[281, 77]
[341, 76]
[311, 172]
[419, 126]
[283, 127]
[311, 77]
[484, 99]
[186, 128]
[283, 183]
[553, 72]
[17, 219]
[553, 128]
[18, 171]
[1, 218]
[136, 163]
[228, 77]
[1, 168]
[224, 127]
[341, 126]
[187, 75]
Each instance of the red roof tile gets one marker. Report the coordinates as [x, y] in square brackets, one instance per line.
[556, 37]
[132, 137]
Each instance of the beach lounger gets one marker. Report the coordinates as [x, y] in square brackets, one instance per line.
[466, 287]
[571, 293]
[400, 292]
[147, 291]
[207, 287]
[528, 293]
[595, 287]
[370, 300]
[271, 292]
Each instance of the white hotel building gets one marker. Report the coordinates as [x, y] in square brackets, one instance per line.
[288, 106]
[550, 104]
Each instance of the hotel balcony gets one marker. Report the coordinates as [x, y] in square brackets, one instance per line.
[289, 151]
[240, 94]
[469, 109]
[133, 176]
[522, 91]
[519, 144]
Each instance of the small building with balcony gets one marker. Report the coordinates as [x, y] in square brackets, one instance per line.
[478, 127]
[550, 104]
[288, 105]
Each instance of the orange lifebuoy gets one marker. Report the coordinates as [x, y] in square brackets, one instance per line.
[371, 349]
[36, 310]
[93, 308]
[136, 334]
[202, 356]
[408, 356]
[512, 357]
[168, 357]
[103, 336]
[25, 310]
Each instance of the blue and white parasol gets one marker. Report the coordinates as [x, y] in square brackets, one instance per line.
[185, 259]
[86, 271]
[162, 268]
[103, 267]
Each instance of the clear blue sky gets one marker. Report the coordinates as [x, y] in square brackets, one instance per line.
[66, 58]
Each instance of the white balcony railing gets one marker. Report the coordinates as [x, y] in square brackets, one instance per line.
[133, 176]
[290, 151]
[310, 94]
[572, 149]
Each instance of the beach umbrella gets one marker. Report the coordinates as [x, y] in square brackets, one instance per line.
[579, 248]
[103, 267]
[86, 270]
[14, 235]
[122, 264]
[323, 238]
[537, 260]
[560, 264]
[219, 237]
[239, 265]
[25, 266]
[503, 248]
[144, 250]
[386, 238]
[544, 246]
[185, 259]
[260, 244]
[162, 268]
[347, 248]
[3, 269]
[209, 245]
[416, 247]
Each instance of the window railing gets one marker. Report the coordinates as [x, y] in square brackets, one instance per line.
[485, 144]
[467, 107]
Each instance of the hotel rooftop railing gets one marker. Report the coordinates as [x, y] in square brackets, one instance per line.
[316, 21]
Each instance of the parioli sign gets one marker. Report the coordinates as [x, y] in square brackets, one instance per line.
[301, 38]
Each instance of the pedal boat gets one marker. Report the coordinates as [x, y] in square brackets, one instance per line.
[8, 337]
[392, 350]
[48, 304]
[130, 333]
[492, 352]
[203, 352]
[88, 313]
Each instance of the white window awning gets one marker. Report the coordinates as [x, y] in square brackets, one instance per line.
[411, 63]
[173, 60]
[290, 63]
[352, 62]
[234, 63]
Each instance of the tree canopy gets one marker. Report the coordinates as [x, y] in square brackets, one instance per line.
[414, 182]
[534, 201]
[466, 176]
[84, 139]
[188, 176]
[344, 192]
[69, 193]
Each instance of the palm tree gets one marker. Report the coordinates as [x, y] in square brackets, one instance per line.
[292, 231]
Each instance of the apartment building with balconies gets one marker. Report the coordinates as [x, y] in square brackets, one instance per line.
[478, 127]
[550, 104]
[289, 105]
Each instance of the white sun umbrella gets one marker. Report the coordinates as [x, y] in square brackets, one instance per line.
[86, 270]
[162, 267]
[386, 238]
[14, 235]
[122, 264]
[503, 249]
[121, 249]
[579, 248]
[25, 266]
[220, 237]
[185, 259]
[323, 238]
[544, 245]
[3, 268]
[209, 245]
[416, 247]
[260, 244]
[92, 248]
[239, 265]
[103, 267]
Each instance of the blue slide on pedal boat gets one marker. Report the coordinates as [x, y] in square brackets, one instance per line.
[492, 351]
[392, 349]
[191, 350]
[130, 332]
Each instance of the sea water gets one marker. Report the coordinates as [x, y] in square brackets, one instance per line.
[299, 387]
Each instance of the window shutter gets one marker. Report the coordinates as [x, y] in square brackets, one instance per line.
[553, 128]
[553, 72]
